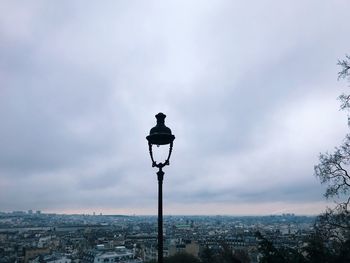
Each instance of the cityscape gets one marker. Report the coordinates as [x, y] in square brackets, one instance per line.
[35, 236]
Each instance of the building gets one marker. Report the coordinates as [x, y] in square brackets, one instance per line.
[51, 258]
[186, 246]
[102, 255]
[30, 253]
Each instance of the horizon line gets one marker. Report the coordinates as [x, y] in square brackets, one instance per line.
[155, 215]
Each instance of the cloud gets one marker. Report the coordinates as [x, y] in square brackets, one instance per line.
[249, 91]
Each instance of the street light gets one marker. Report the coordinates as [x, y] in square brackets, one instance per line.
[160, 135]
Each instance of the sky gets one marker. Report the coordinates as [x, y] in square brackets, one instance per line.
[249, 89]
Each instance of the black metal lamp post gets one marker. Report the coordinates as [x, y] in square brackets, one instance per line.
[160, 135]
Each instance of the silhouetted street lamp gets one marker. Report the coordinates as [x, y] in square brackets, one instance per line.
[160, 135]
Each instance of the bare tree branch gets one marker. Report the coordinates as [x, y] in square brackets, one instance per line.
[345, 64]
[333, 170]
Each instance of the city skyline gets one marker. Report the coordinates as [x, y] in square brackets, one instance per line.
[250, 92]
[183, 210]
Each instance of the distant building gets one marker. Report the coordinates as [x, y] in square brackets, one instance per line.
[119, 254]
[19, 213]
[51, 258]
[187, 246]
[31, 253]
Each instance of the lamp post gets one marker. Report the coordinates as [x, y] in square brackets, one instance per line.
[160, 135]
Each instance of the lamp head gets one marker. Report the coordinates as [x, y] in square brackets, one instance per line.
[160, 134]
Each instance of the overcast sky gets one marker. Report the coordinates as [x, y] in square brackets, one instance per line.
[249, 89]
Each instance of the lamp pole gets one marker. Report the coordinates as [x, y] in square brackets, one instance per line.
[160, 175]
[160, 135]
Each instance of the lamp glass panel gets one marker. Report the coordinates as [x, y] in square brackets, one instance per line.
[160, 153]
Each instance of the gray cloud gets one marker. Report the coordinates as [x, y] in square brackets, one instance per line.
[249, 91]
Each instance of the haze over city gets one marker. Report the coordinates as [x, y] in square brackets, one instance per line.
[249, 89]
